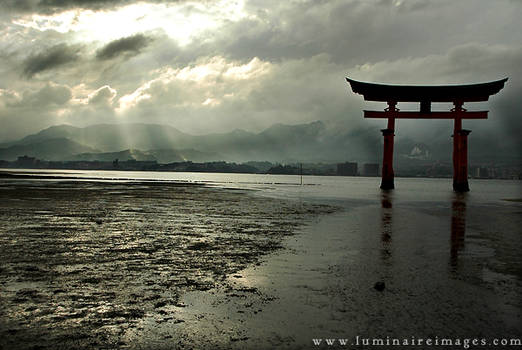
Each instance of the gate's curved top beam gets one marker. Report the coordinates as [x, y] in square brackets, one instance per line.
[431, 93]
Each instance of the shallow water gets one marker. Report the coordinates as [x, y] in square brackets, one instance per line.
[313, 187]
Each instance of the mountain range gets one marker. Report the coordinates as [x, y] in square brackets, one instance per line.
[310, 142]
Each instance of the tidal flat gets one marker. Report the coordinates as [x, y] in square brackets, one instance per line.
[87, 264]
[119, 260]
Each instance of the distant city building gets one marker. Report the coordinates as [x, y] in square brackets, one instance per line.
[481, 173]
[492, 173]
[347, 169]
[371, 169]
[25, 161]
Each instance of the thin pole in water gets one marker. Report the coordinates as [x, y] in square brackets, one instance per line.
[301, 172]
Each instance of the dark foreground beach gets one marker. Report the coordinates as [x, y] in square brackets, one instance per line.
[93, 264]
[156, 265]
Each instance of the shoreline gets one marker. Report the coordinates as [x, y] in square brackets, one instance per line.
[22, 172]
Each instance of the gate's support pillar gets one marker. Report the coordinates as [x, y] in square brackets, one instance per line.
[387, 182]
[460, 152]
[460, 171]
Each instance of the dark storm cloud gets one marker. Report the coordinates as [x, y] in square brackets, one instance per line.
[18, 5]
[51, 58]
[52, 6]
[55, 6]
[131, 45]
[358, 32]
[79, 3]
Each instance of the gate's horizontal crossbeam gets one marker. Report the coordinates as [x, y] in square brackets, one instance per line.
[430, 115]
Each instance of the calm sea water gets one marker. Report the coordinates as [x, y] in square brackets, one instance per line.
[336, 188]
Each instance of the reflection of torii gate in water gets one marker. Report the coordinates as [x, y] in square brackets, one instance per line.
[458, 94]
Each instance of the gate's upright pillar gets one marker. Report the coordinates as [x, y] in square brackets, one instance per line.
[460, 152]
[460, 181]
[387, 182]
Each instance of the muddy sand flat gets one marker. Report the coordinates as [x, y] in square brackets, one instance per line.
[92, 264]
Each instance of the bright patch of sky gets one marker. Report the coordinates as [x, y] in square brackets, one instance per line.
[180, 21]
[210, 76]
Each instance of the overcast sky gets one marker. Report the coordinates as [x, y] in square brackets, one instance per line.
[212, 66]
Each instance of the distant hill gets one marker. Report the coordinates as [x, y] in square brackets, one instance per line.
[45, 149]
[167, 144]
[313, 142]
[114, 137]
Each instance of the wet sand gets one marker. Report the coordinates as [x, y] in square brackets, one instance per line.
[450, 271]
[170, 266]
[89, 265]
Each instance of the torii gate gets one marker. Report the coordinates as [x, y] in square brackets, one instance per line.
[425, 95]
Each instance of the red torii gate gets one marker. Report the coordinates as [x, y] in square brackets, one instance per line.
[425, 95]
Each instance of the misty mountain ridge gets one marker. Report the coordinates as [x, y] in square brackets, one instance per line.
[279, 142]
[114, 137]
[309, 142]
[54, 149]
